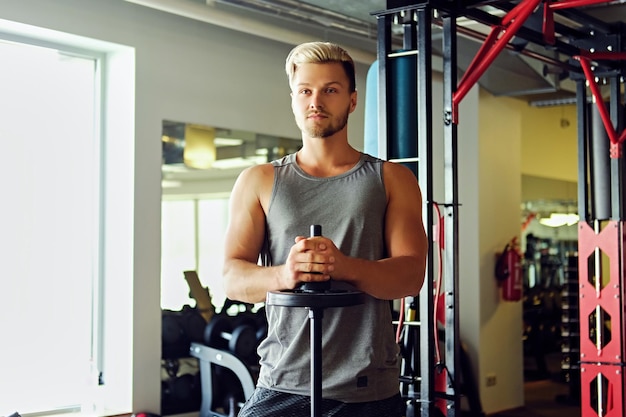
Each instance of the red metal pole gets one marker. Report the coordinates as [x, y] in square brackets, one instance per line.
[568, 4]
[604, 114]
[480, 55]
[510, 24]
[524, 8]
[489, 52]
[548, 24]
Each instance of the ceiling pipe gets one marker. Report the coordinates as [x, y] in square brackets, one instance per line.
[211, 15]
[304, 11]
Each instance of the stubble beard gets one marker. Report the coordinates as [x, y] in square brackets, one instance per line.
[314, 130]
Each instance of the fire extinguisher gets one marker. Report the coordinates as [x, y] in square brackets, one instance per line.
[509, 272]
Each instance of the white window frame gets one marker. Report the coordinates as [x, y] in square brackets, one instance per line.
[113, 313]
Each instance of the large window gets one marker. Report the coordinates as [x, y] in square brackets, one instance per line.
[49, 227]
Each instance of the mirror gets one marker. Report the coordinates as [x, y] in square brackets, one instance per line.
[196, 185]
[199, 159]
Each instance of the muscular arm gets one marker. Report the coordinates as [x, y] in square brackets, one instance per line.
[244, 279]
[402, 272]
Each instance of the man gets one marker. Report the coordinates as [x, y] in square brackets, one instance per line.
[373, 242]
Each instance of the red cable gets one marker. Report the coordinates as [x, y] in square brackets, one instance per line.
[438, 282]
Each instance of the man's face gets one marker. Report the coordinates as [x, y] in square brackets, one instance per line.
[321, 99]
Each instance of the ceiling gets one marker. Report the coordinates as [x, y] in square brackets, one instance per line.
[529, 68]
[514, 73]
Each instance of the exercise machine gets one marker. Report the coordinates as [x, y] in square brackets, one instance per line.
[590, 52]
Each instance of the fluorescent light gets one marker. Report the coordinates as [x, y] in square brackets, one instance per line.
[560, 219]
[227, 141]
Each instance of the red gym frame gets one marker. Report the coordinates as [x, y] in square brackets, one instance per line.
[602, 369]
[602, 361]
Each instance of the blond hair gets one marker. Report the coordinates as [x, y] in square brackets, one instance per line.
[320, 53]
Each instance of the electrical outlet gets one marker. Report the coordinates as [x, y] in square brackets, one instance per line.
[491, 380]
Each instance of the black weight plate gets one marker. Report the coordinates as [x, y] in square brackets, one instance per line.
[214, 329]
[243, 341]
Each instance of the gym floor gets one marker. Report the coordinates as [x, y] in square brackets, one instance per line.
[547, 397]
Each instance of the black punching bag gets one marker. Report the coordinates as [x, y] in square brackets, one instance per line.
[403, 111]
[600, 166]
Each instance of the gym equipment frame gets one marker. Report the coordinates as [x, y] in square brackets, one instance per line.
[209, 357]
[592, 49]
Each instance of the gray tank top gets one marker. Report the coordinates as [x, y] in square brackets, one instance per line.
[359, 353]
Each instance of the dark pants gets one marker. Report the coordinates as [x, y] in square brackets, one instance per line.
[269, 403]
